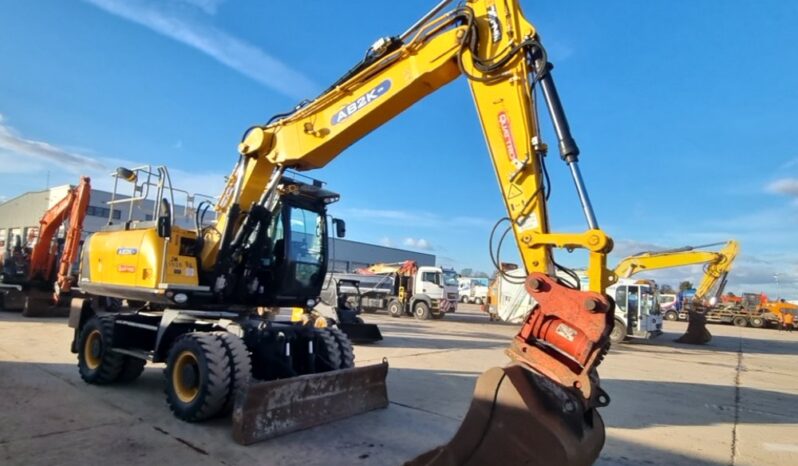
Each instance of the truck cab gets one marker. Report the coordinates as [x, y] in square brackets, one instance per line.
[452, 288]
[637, 309]
[472, 290]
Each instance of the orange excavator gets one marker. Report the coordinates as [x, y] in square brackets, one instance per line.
[38, 279]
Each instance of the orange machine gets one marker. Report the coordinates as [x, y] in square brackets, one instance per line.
[46, 279]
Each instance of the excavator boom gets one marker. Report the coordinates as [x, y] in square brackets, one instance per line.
[717, 265]
[49, 279]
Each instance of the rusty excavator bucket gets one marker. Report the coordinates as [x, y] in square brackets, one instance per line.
[264, 410]
[516, 417]
[543, 410]
[697, 333]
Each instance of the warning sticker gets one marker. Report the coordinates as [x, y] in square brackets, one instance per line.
[566, 332]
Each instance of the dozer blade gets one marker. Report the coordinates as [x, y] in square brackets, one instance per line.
[361, 333]
[268, 409]
[518, 417]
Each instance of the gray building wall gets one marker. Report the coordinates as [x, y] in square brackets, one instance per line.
[346, 255]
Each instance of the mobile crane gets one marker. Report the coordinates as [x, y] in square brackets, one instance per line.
[268, 247]
[41, 279]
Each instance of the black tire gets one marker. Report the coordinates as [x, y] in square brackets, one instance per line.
[131, 369]
[328, 352]
[464, 299]
[197, 377]
[438, 315]
[109, 304]
[478, 301]
[395, 308]
[757, 322]
[344, 347]
[421, 311]
[97, 364]
[240, 365]
[618, 334]
[671, 315]
[740, 321]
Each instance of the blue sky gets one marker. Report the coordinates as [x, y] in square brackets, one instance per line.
[684, 112]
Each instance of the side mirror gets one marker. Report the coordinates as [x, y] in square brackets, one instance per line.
[164, 226]
[340, 228]
[165, 220]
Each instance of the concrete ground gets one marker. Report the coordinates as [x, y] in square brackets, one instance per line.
[732, 402]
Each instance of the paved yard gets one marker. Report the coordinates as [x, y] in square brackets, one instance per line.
[734, 401]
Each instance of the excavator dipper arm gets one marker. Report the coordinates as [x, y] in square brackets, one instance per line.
[551, 395]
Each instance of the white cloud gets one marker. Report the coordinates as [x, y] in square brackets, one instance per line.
[208, 6]
[787, 186]
[385, 241]
[22, 155]
[419, 243]
[19, 155]
[224, 48]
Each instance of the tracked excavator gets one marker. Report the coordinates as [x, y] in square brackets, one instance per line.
[717, 265]
[40, 281]
[268, 247]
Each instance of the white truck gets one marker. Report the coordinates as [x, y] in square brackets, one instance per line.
[414, 290]
[452, 287]
[472, 290]
[637, 312]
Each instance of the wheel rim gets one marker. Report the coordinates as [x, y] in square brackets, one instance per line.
[185, 377]
[617, 333]
[420, 311]
[92, 350]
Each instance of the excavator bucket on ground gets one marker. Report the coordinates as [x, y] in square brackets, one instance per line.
[360, 332]
[516, 417]
[697, 333]
[268, 409]
[39, 303]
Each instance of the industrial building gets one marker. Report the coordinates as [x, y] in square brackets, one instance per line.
[20, 217]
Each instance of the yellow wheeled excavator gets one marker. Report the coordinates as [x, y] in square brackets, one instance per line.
[717, 265]
[202, 287]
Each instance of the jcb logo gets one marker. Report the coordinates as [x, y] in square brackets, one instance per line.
[361, 102]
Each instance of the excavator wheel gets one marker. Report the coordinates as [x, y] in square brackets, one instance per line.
[131, 369]
[519, 417]
[333, 350]
[96, 362]
[197, 376]
[240, 365]
[344, 347]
